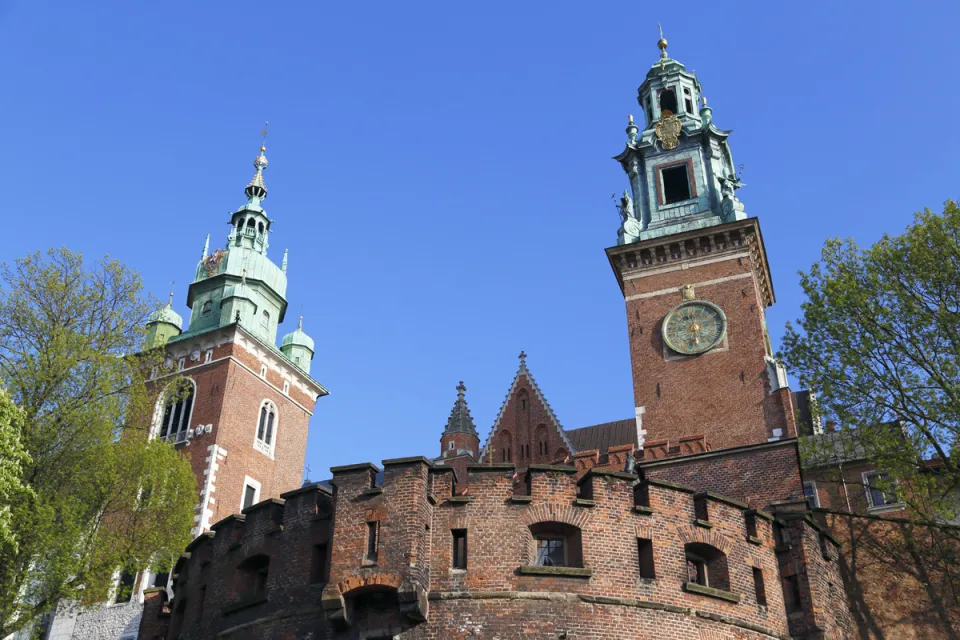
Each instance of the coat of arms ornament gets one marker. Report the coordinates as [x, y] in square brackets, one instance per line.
[668, 130]
[213, 261]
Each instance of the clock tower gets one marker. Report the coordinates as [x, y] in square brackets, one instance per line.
[694, 275]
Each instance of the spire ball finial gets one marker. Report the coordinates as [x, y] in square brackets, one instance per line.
[461, 389]
[170, 301]
[300, 324]
[662, 42]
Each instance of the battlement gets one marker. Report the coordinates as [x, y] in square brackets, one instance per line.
[418, 546]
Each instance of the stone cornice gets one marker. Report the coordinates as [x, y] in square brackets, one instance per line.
[684, 248]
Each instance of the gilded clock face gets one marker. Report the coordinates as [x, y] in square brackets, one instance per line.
[694, 327]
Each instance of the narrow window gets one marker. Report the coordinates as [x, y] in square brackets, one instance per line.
[180, 364]
[265, 320]
[207, 307]
[451, 445]
[758, 587]
[700, 507]
[750, 518]
[263, 371]
[208, 356]
[676, 184]
[645, 557]
[160, 580]
[696, 569]
[318, 569]
[125, 587]
[373, 540]
[810, 493]
[641, 494]
[687, 100]
[459, 548]
[791, 593]
[286, 388]
[176, 413]
[249, 496]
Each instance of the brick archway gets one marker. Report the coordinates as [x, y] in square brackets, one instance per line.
[699, 534]
[553, 512]
[351, 584]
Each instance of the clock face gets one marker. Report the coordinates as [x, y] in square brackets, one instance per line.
[694, 327]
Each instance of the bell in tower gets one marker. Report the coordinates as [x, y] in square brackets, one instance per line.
[680, 168]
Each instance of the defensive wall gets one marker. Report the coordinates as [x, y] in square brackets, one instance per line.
[304, 566]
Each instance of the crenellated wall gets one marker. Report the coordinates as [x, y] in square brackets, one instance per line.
[322, 578]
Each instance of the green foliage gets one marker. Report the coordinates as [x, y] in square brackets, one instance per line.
[879, 342]
[13, 459]
[102, 496]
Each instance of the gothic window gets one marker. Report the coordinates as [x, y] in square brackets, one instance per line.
[523, 398]
[266, 439]
[707, 566]
[675, 182]
[265, 320]
[542, 443]
[260, 228]
[687, 100]
[177, 407]
[556, 544]
[250, 223]
[506, 455]
[668, 102]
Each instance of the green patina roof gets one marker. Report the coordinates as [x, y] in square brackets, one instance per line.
[297, 338]
[167, 315]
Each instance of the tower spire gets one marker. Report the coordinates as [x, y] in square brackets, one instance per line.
[206, 248]
[256, 189]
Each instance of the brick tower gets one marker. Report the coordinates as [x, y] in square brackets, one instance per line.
[460, 443]
[694, 276]
[241, 408]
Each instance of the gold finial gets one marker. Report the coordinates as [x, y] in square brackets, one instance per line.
[662, 42]
[263, 145]
[703, 99]
[630, 118]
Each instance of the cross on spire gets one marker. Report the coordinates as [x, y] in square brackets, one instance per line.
[461, 389]
[523, 358]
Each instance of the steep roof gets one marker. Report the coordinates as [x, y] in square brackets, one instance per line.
[460, 420]
[603, 436]
[523, 372]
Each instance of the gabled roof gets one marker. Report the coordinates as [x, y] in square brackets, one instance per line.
[460, 420]
[535, 388]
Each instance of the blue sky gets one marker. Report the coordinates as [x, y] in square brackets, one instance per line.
[441, 172]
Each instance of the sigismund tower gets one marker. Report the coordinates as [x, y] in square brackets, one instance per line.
[243, 410]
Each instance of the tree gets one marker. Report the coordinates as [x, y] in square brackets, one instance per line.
[13, 458]
[879, 342]
[103, 496]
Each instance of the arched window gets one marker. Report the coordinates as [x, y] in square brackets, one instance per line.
[207, 307]
[177, 404]
[266, 439]
[506, 441]
[265, 319]
[687, 100]
[668, 102]
[556, 544]
[523, 398]
[542, 443]
[260, 227]
[707, 566]
[250, 223]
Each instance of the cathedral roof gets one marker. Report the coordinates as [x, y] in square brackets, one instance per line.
[460, 420]
[167, 315]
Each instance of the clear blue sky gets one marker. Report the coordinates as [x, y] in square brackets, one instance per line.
[441, 172]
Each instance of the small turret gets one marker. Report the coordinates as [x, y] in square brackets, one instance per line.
[460, 435]
[163, 324]
[298, 347]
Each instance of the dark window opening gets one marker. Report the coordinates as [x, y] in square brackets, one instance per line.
[207, 307]
[250, 223]
[459, 548]
[318, 567]
[252, 577]
[676, 184]
[645, 558]
[687, 100]
[880, 490]
[373, 540]
[700, 507]
[161, 579]
[707, 566]
[557, 545]
[750, 518]
[249, 496]
[641, 494]
[668, 102]
[265, 426]
[260, 227]
[791, 593]
[761, 593]
[125, 587]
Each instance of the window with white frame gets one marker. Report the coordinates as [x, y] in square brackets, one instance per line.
[180, 364]
[810, 494]
[174, 411]
[266, 439]
[286, 387]
[263, 371]
[208, 356]
[881, 490]
[251, 493]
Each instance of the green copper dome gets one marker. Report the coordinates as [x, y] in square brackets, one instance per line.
[166, 315]
[297, 338]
